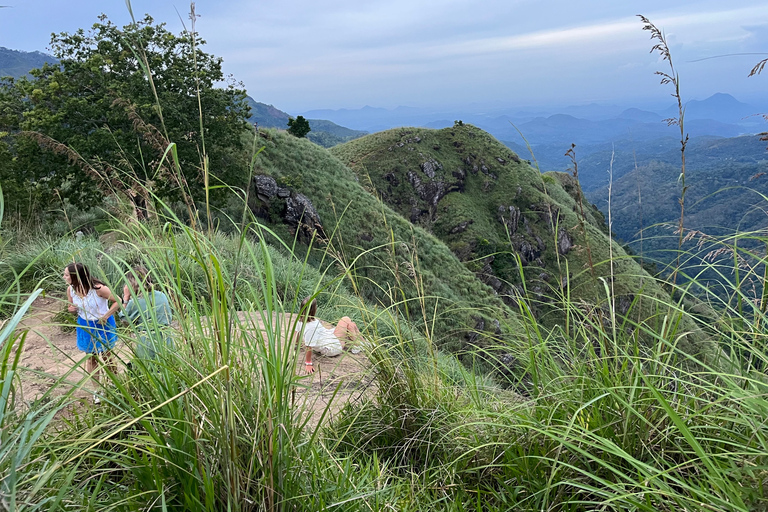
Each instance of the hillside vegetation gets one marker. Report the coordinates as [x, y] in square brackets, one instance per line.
[390, 260]
[324, 133]
[582, 382]
[726, 190]
[521, 233]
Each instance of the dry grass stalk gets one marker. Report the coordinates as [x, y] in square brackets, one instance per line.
[671, 77]
[571, 154]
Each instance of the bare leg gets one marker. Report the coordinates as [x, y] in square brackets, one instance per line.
[109, 361]
[92, 366]
[347, 330]
[341, 330]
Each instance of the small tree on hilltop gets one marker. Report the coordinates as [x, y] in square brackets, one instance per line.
[298, 127]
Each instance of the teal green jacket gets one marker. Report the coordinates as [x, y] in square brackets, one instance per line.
[154, 308]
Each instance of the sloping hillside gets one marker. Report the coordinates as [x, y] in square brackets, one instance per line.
[325, 133]
[299, 187]
[491, 208]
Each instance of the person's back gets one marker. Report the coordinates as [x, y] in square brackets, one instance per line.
[320, 338]
[149, 310]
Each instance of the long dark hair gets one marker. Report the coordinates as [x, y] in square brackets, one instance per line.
[82, 282]
[308, 310]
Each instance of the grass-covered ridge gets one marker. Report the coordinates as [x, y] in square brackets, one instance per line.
[604, 415]
[215, 423]
[390, 260]
[494, 211]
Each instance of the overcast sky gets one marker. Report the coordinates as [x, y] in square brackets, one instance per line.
[308, 54]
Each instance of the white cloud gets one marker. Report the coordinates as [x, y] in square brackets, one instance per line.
[305, 54]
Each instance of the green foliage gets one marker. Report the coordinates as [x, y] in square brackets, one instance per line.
[390, 261]
[495, 211]
[298, 127]
[595, 419]
[328, 134]
[91, 124]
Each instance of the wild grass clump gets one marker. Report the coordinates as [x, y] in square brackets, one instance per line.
[630, 429]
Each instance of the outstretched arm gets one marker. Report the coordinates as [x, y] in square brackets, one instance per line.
[308, 365]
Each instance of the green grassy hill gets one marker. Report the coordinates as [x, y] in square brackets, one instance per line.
[491, 208]
[445, 214]
[390, 260]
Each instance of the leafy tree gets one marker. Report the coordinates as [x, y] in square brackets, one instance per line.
[298, 127]
[104, 117]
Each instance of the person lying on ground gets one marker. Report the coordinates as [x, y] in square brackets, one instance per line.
[323, 340]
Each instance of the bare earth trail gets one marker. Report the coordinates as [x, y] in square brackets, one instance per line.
[50, 353]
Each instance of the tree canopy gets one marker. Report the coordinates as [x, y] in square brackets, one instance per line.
[103, 118]
[298, 127]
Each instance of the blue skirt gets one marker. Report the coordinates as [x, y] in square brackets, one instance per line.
[94, 338]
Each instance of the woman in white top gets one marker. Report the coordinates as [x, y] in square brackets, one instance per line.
[90, 298]
[323, 340]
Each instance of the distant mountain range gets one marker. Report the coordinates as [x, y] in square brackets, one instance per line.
[16, 64]
[324, 133]
[719, 115]
[595, 129]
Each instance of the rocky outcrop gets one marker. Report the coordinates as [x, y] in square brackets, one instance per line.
[275, 203]
[510, 217]
[266, 187]
[430, 191]
[430, 167]
[301, 214]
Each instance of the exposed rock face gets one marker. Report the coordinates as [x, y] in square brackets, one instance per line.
[299, 212]
[294, 209]
[510, 217]
[431, 192]
[266, 187]
[528, 253]
[430, 167]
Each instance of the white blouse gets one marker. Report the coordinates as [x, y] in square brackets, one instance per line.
[91, 307]
[320, 338]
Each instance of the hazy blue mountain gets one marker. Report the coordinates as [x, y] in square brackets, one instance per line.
[643, 116]
[720, 115]
[15, 63]
[323, 132]
[720, 106]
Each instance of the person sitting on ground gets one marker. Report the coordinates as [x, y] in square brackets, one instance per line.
[323, 340]
[149, 310]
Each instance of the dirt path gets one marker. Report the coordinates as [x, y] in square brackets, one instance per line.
[50, 353]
